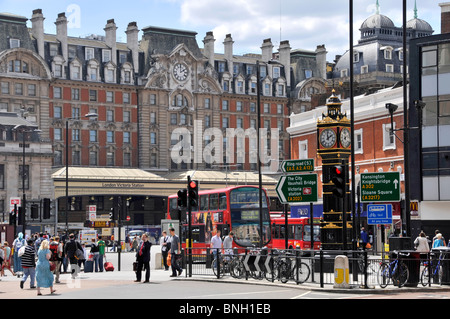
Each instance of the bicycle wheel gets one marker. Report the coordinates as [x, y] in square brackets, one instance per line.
[302, 273]
[401, 275]
[383, 275]
[237, 269]
[215, 268]
[284, 271]
[424, 276]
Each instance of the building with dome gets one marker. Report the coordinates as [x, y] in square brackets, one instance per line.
[378, 56]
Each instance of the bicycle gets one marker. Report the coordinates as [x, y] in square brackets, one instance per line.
[436, 273]
[285, 269]
[223, 265]
[396, 271]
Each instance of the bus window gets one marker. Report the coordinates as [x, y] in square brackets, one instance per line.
[298, 232]
[222, 201]
[204, 202]
[307, 236]
[214, 202]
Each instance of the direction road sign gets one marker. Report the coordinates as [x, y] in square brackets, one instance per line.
[297, 188]
[379, 214]
[380, 187]
[298, 166]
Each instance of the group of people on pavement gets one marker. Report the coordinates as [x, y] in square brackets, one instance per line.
[423, 244]
[42, 258]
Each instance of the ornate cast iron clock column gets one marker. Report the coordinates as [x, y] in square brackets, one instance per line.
[333, 140]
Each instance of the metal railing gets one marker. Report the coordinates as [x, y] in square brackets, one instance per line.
[311, 267]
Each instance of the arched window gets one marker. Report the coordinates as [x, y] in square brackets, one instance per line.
[180, 100]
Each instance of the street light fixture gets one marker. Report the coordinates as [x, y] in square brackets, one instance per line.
[88, 115]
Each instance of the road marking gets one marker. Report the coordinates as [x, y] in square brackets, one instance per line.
[301, 296]
[240, 293]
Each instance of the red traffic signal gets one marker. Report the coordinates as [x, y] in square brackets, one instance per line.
[193, 193]
[338, 179]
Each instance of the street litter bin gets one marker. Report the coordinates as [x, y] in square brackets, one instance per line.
[412, 261]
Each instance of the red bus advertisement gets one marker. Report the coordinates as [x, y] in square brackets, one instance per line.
[229, 209]
[299, 233]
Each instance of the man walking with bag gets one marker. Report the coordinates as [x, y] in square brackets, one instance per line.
[175, 249]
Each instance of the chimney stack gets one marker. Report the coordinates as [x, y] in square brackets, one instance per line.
[37, 30]
[285, 59]
[133, 43]
[267, 53]
[445, 17]
[61, 35]
[209, 47]
[110, 35]
[321, 60]
[228, 51]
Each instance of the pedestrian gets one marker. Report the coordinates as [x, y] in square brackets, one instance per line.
[175, 249]
[364, 238]
[438, 242]
[29, 264]
[135, 243]
[216, 245]
[17, 244]
[94, 253]
[70, 250]
[436, 232]
[6, 259]
[82, 261]
[164, 242]
[57, 251]
[38, 242]
[44, 276]
[228, 244]
[143, 259]
[101, 253]
[421, 243]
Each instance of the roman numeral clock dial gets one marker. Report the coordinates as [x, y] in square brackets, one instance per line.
[180, 72]
[328, 138]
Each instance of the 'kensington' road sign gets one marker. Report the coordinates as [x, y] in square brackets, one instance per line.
[297, 188]
[380, 187]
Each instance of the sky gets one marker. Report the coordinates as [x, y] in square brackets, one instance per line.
[305, 24]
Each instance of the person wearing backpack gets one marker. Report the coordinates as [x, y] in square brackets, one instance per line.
[56, 249]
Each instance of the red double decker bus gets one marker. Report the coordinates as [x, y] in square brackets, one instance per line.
[299, 233]
[229, 209]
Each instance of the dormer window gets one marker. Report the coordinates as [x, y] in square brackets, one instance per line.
[387, 52]
[53, 49]
[276, 72]
[106, 56]
[355, 56]
[89, 52]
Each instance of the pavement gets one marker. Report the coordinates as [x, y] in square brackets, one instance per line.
[10, 285]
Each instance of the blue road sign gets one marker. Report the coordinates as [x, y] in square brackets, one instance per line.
[379, 214]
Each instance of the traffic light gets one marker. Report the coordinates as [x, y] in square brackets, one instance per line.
[338, 179]
[34, 211]
[182, 198]
[46, 210]
[193, 193]
[12, 216]
[20, 215]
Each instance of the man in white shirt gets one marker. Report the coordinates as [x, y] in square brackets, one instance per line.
[216, 244]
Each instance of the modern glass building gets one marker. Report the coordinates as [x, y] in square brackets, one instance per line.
[430, 133]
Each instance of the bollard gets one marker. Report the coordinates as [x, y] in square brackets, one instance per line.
[341, 272]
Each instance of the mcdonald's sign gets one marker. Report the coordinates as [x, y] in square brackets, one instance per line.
[414, 208]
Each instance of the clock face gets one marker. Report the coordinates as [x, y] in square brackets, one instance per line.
[345, 138]
[328, 138]
[180, 72]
